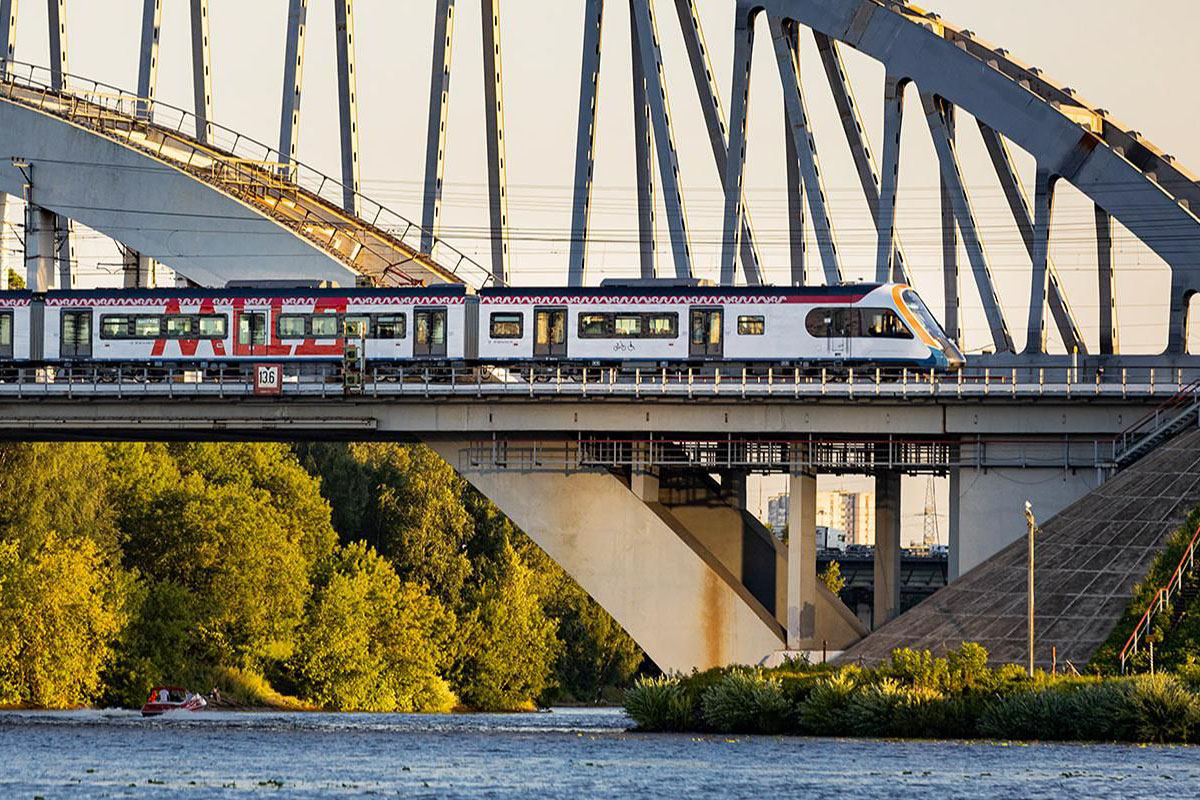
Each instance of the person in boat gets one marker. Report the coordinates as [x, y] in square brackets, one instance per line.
[163, 696]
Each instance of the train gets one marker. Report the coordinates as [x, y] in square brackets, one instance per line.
[616, 323]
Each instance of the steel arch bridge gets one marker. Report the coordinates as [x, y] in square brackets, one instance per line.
[309, 223]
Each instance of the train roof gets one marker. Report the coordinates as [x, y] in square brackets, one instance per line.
[655, 290]
[438, 290]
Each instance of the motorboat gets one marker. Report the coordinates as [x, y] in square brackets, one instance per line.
[171, 698]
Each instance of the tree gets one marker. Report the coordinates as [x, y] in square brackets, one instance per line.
[412, 514]
[372, 643]
[508, 643]
[832, 577]
[60, 613]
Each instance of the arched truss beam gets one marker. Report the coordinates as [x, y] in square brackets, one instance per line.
[439, 106]
[1122, 173]
[796, 113]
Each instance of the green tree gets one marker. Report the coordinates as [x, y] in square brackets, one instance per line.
[371, 642]
[832, 577]
[60, 612]
[413, 513]
[508, 644]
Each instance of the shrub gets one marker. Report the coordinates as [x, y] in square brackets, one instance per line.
[1103, 712]
[826, 711]
[1037, 714]
[968, 667]
[746, 702]
[659, 704]
[1165, 711]
[912, 668]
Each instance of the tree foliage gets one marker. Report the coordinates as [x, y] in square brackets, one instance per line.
[59, 614]
[364, 576]
[371, 642]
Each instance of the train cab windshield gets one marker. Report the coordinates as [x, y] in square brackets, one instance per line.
[918, 307]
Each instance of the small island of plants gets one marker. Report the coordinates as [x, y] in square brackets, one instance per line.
[917, 695]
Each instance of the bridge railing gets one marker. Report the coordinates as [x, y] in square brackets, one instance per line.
[1161, 602]
[243, 160]
[1182, 406]
[579, 380]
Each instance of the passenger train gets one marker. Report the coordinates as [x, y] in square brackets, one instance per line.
[613, 324]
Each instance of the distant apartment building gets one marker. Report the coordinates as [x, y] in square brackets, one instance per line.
[852, 512]
[777, 512]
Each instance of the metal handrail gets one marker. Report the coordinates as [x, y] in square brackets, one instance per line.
[585, 380]
[1161, 600]
[1154, 420]
[250, 158]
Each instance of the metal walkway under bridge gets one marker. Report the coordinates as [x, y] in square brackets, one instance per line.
[127, 166]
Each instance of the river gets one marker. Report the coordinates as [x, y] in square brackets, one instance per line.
[568, 753]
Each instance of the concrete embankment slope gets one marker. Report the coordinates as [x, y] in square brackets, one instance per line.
[1088, 559]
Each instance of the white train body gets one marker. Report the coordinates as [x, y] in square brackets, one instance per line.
[845, 324]
[220, 326]
[883, 324]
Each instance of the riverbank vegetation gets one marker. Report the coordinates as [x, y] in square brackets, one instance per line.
[1175, 631]
[348, 577]
[914, 695]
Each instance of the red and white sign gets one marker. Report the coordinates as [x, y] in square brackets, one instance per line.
[268, 379]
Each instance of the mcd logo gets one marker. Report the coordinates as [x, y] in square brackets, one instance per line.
[268, 379]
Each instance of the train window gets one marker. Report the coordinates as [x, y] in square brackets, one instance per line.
[507, 326]
[147, 327]
[662, 326]
[6, 334]
[324, 326]
[627, 325]
[882, 323]
[831, 322]
[291, 326]
[113, 326]
[357, 326]
[751, 326]
[594, 326]
[389, 326]
[212, 326]
[179, 326]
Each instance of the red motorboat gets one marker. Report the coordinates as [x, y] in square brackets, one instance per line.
[171, 698]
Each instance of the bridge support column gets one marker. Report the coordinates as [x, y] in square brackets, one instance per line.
[39, 248]
[887, 548]
[955, 525]
[802, 562]
[138, 270]
[992, 507]
[658, 580]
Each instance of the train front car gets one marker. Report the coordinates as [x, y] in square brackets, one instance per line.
[943, 352]
[885, 325]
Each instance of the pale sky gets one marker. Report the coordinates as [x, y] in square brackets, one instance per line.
[1134, 70]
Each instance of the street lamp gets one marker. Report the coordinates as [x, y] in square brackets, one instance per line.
[1032, 529]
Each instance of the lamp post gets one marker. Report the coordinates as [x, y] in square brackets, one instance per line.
[1032, 529]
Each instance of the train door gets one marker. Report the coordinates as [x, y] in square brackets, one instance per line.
[550, 332]
[707, 333]
[75, 339]
[429, 332]
[251, 333]
[840, 331]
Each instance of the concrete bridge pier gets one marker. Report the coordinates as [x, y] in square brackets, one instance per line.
[987, 507]
[887, 549]
[138, 270]
[39, 248]
[691, 574]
